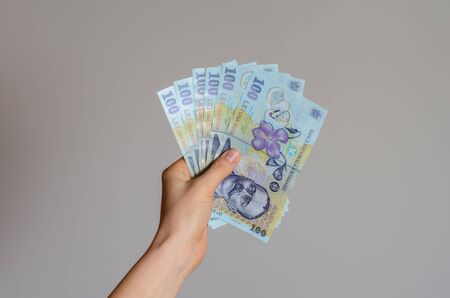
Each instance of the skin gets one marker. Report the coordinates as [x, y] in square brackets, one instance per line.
[181, 241]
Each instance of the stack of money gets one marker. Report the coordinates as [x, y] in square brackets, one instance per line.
[262, 113]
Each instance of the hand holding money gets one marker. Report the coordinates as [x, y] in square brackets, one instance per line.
[182, 238]
[187, 202]
[262, 113]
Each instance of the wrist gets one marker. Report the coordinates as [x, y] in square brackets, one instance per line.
[176, 250]
[159, 273]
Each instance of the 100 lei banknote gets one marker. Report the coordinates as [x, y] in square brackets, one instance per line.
[274, 127]
[233, 80]
[173, 111]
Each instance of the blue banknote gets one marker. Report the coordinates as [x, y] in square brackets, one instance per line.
[199, 83]
[173, 111]
[274, 127]
[211, 90]
[184, 90]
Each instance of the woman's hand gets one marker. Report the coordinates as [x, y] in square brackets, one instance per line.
[182, 238]
[186, 205]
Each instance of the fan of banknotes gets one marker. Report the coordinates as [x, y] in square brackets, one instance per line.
[262, 113]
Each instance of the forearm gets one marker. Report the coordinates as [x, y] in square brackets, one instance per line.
[159, 273]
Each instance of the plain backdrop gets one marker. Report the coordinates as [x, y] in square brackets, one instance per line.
[83, 141]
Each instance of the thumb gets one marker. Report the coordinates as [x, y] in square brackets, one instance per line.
[220, 169]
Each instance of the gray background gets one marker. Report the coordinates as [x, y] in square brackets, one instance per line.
[84, 140]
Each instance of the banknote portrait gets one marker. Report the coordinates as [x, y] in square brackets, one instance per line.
[244, 196]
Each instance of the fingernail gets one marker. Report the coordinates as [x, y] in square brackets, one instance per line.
[231, 155]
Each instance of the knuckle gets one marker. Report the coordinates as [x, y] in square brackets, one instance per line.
[165, 174]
